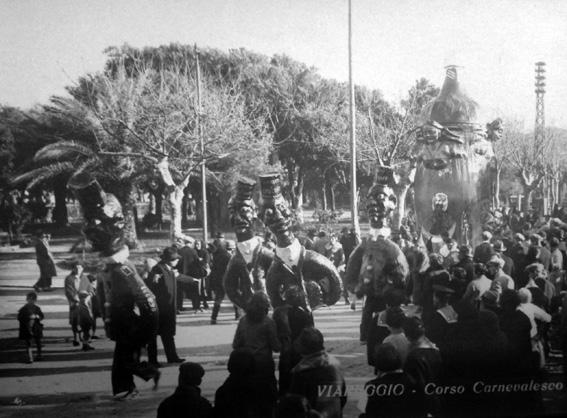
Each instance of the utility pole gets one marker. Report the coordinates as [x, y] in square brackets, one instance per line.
[352, 130]
[539, 129]
[203, 167]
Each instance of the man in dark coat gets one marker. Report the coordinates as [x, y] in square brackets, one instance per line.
[246, 271]
[45, 262]
[187, 400]
[484, 250]
[130, 310]
[293, 265]
[500, 250]
[162, 282]
[190, 266]
[221, 256]
[544, 254]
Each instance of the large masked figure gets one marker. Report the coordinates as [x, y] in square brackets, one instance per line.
[453, 160]
[377, 264]
[317, 278]
[246, 271]
[129, 307]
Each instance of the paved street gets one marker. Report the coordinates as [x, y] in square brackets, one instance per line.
[69, 380]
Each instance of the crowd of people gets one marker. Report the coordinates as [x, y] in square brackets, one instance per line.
[467, 324]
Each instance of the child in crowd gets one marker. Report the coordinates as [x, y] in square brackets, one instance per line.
[31, 328]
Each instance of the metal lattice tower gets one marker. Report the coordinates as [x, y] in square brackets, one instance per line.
[540, 91]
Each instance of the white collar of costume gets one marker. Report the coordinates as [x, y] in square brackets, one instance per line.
[118, 257]
[246, 248]
[290, 254]
[374, 233]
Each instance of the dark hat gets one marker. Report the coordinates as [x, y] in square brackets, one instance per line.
[490, 298]
[437, 288]
[219, 235]
[243, 191]
[191, 373]
[499, 246]
[309, 341]
[230, 245]
[270, 187]
[535, 268]
[169, 254]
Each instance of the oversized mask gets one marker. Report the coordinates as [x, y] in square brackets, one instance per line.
[381, 200]
[104, 220]
[242, 209]
[274, 211]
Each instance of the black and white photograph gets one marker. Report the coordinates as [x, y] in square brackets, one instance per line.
[283, 208]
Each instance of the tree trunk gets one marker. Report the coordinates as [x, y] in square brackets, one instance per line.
[184, 205]
[401, 192]
[158, 196]
[497, 187]
[175, 199]
[60, 215]
[324, 194]
[527, 201]
[128, 200]
[333, 199]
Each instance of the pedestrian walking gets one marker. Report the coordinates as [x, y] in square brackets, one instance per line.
[45, 262]
[31, 328]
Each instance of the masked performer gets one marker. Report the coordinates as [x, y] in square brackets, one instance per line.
[315, 275]
[130, 310]
[377, 264]
[246, 271]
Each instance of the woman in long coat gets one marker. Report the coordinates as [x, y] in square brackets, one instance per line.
[45, 262]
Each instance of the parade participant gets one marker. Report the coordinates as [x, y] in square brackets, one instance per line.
[31, 328]
[187, 399]
[293, 265]
[130, 311]
[246, 271]
[162, 282]
[45, 262]
[377, 263]
[221, 257]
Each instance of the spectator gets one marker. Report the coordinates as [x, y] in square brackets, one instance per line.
[162, 282]
[544, 255]
[221, 257]
[257, 332]
[389, 404]
[556, 255]
[445, 317]
[395, 318]
[321, 242]
[45, 262]
[187, 399]
[500, 250]
[205, 260]
[74, 283]
[233, 398]
[31, 328]
[190, 266]
[423, 365]
[484, 250]
[499, 279]
[479, 285]
[295, 406]
[316, 370]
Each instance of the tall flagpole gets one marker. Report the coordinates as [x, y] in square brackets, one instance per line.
[203, 167]
[352, 130]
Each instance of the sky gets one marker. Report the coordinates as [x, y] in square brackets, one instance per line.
[47, 44]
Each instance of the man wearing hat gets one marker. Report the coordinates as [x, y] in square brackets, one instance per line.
[500, 280]
[193, 270]
[162, 282]
[45, 262]
[377, 264]
[130, 311]
[187, 400]
[250, 261]
[293, 265]
[500, 250]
